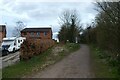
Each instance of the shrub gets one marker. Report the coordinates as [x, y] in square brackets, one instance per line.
[31, 47]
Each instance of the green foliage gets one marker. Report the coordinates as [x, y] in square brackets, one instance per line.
[106, 32]
[102, 64]
[72, 46]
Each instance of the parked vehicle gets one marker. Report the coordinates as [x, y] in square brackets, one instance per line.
[11, 44]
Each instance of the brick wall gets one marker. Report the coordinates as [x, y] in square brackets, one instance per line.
[2, 35]
[34, 35]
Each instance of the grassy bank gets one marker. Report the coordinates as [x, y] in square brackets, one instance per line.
[100, 64]
[39, 62]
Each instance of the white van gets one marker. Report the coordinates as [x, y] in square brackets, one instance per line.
[12, 44]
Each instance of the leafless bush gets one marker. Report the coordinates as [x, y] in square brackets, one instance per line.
[32, 47]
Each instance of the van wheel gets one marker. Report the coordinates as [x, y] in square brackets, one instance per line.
[13, 50]
[6, 53]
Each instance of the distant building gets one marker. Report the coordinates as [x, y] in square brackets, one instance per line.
[2, 32]
[37, 33]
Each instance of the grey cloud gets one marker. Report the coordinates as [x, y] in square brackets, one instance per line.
[46, 13]
[47, 10]
[24, 7]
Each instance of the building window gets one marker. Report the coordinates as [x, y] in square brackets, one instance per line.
[45, 33]
[38, 33]
[18, 41]
[25, 33]
[32, 33]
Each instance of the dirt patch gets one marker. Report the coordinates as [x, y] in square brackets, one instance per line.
[58, 49]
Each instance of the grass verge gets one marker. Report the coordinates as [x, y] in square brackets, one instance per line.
[38, 62]
[100, 64]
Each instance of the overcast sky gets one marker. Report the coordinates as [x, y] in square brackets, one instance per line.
[39, 13]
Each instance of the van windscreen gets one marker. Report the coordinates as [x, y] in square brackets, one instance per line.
[8, 40]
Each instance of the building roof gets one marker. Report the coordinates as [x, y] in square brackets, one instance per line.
[2, 28]
[10, 38]
[35, 29]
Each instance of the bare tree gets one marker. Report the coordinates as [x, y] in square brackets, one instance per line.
[19, 26]
[70, 26]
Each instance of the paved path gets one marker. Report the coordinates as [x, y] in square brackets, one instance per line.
[9, 59]
[76, 65]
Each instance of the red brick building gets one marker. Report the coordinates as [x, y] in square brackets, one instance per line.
[37, 33]
[2, 32]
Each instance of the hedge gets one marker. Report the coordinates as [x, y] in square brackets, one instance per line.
[31, 47]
